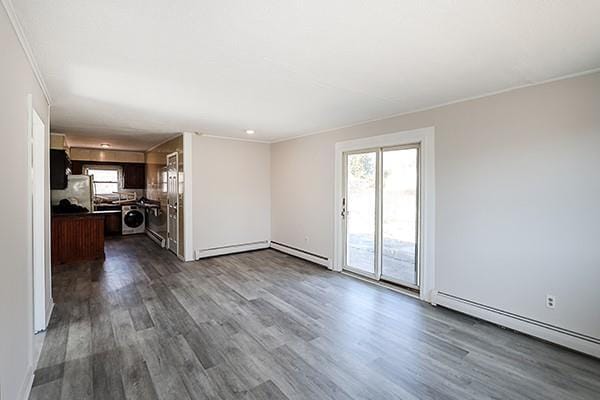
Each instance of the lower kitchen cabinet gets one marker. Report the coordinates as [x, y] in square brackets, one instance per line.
[112, 223]
[77, 237]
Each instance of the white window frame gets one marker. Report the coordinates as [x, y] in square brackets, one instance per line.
[425, 137]
[118, 168]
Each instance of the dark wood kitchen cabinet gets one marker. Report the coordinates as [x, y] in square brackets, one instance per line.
[112, 223]
[134, 176]
[60, 167]
[77, 167]
[77, 237]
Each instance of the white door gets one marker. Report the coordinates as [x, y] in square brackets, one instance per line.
[381, 209]
[38, 206]
[172, 203]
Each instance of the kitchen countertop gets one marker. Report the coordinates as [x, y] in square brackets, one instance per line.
[87, 214]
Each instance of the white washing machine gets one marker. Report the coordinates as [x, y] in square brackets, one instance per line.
[134, 220]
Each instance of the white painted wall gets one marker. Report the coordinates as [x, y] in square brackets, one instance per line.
[16, 299]
[231, 192]
[517, 198]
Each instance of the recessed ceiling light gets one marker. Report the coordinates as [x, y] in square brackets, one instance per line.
[105, 145]
[250, 131]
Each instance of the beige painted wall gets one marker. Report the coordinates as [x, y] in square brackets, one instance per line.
[83, 154]
[517, 195]
[16, 310]
[232, 192]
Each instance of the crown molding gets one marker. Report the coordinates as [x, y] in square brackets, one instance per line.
[449, 103]
[18, 28]
[175, 136]
[238, 139]
[428, 108]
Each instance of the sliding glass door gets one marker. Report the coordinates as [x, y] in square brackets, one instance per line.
[400, 211]
[360, 210]
[381, 214]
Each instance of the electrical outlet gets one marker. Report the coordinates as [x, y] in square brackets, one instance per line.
[550, 301]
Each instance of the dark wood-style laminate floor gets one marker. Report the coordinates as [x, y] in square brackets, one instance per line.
[264, 325]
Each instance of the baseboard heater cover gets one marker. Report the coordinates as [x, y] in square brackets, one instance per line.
[156, 237]
[564, 337]
[229, 249]
[306, 255]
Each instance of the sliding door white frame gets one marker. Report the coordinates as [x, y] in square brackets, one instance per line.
[425, 138]
[376, 233]
[378, 259]
[418, 239]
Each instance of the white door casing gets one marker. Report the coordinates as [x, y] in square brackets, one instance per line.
[425, 138]
[172, 202]
[37, 207]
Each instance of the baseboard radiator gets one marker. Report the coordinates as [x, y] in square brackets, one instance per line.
[555, 334]
[230, 249]
[156, 237]
[306, 255]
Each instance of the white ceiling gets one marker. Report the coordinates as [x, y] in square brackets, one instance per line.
[286, 68]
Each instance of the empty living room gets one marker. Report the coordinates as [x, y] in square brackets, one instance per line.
[390, 199]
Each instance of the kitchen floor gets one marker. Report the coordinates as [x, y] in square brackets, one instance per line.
[264, 325]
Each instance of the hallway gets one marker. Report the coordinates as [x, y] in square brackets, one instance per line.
[264, 325]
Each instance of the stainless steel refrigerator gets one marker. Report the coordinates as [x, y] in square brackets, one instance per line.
[80, 190]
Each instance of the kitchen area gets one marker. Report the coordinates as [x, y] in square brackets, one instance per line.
[100, 194]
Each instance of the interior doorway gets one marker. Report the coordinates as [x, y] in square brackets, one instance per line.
[380, 213]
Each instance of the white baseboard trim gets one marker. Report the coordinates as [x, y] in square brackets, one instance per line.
[229, 249]
[560, 336]
[27, 383]
[302, 254]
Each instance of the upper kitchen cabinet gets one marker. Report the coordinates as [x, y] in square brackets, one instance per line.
[134, 176]
[60, 167]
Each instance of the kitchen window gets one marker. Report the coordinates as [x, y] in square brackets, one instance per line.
[107, 179]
